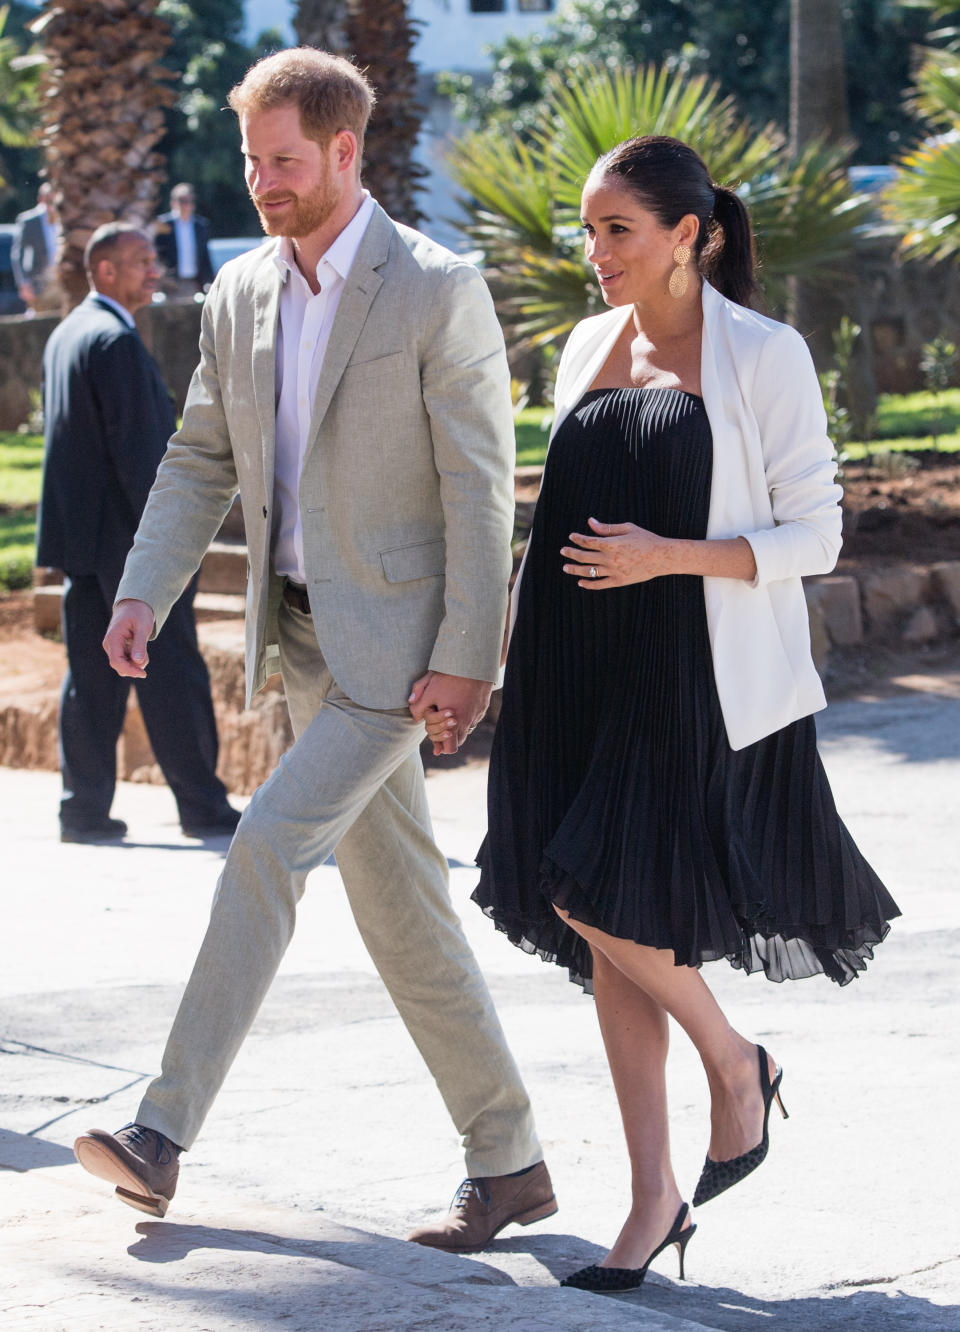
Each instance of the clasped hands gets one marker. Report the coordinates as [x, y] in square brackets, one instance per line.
[450, 706]
[617, 554]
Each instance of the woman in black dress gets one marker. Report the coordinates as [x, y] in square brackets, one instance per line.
[656, 799]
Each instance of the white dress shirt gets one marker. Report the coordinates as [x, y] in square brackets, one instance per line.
[302, 337]
[121, 310]
[186, 238]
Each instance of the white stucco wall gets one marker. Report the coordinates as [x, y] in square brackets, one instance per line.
[454, 38]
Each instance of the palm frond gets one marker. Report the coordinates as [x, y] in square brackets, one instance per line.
[925, 198]
[523, 199]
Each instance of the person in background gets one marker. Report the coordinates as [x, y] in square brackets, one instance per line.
[34, 253]
[107, 419]
[181, 239]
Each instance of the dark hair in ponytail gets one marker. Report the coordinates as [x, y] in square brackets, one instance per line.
[671, 180]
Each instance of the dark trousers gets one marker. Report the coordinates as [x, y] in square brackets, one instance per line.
[174, 700]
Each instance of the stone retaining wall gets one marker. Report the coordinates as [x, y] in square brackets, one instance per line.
[171, 330]
[907, 605]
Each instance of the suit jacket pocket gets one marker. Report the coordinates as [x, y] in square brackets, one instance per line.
[423, 559]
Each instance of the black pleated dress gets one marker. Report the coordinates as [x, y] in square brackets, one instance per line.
[613, 792]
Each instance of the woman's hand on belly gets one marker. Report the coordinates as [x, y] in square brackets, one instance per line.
[617, 554]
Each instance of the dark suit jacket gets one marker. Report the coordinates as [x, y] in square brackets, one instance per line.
[107, 419]
[165, 243]
[28, 256]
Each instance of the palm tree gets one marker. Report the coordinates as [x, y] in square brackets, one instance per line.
[925, 199]
[378, 35]
[103, 102]
[523, 199]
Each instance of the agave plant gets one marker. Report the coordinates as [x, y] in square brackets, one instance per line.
[523, 199]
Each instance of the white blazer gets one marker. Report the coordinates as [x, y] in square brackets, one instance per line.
[773, 483]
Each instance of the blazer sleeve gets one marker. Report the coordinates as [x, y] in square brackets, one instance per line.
[799, 464]
[194, 488]
[466, 391]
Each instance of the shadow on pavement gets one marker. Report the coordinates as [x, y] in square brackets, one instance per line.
[169, 1242]
[859, 1311]
[22, 1152]
[916, 727]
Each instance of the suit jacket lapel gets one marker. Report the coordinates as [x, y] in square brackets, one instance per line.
[362, 285]
[266, 314]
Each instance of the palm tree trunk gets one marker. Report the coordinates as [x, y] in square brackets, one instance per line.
[818, 110]
[103, 102]
[378, 35]
[818, 79]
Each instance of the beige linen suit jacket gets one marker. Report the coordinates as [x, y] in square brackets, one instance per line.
[406, 490]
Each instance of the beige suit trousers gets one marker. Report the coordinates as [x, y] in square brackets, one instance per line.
[353, 783]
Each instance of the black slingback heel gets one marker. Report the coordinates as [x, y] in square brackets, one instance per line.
[717, 1176]
[611, 1279]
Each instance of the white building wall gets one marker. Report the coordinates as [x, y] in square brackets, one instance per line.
[454, 38]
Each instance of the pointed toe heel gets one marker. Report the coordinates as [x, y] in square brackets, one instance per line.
[611, 1280]
[718, 1176]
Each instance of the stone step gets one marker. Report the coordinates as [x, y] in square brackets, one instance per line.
[224, 568]
[48, 599]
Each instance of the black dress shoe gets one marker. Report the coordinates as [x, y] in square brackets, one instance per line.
[107, 830]
[221, 824]
[611, 1280]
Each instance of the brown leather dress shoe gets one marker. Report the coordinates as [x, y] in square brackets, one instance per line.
[482, 1207]
[140, 1161]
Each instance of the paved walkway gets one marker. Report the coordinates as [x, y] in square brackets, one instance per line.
[329, 1142]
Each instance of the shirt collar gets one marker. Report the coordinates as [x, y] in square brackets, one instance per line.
[342, 251]
[121, 310]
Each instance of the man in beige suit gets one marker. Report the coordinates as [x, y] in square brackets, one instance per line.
[353, 385]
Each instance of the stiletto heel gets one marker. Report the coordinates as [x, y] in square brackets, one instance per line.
[718, 1176]
[610, 1279]
[682, 1243]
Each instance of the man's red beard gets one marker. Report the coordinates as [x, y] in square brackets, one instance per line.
[303, 215]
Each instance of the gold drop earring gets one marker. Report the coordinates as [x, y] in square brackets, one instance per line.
[680, 277]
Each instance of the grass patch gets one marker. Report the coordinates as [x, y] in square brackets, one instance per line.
[17, 542]
[21, 467]
[531, 435]
[903, 416]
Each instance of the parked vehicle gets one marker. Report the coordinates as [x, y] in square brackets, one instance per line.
[223, 248]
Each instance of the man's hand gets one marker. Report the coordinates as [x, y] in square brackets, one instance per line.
[459, 701]
[125, 642]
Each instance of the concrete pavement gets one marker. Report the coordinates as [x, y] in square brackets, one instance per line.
[329, 1141]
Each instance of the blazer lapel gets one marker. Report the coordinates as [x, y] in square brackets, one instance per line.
[362, 284]
[266, 314]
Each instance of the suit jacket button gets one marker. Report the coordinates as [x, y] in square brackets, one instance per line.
[264, 511]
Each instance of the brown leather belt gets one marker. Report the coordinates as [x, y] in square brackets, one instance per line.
[296, 596]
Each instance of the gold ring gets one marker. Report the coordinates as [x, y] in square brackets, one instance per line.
[594, 572]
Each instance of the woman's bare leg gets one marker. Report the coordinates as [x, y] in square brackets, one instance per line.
[729, 1060]
[635, 1037]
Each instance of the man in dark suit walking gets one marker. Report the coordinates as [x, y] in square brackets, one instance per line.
[33, 253]
[181, 240]
[107, 419]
